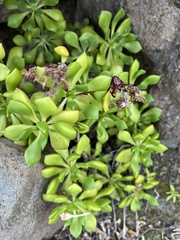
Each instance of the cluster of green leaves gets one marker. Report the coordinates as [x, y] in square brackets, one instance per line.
[43, 29]
[106, 50]
[173, 195]
[80, 120]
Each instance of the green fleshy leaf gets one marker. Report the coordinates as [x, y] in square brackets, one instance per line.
[102, 167]
[15, 52]
[125, 202]
[133, 47]
[73, 68]
[50, 171]
[124, 77]
[99, 83]
[93, 206]
[129, 188]
[19, 95]
[153, 115]
[10, 4]
[55, 214]
[43, 139]
[53, 186]
[49, 24]
[39, 21]
[150, 80]
[4, 71]
[49, 197]
[82, 144]
[2, 52]
[134, 113]
[19, 40]
[135, 204]
[90, 111]
[93, 41]
[151, 200]
[124, 156]
[71, 38]
[58, 142]
[55, 14]
[22, 109]
[82, 64]
[3, 124]
[81, 127]
[15, 20]
[119, 15]
[18, 62]
[133, 69]
[68, 116]
[30, 56]
[73, 157]
[105, 20]
[103, 202]
[102, 134]
[62, 175]
[65, 129]
[43, 127]
[135, 164]
[13, 80]
[126, 59]
[88, 194]
[105, 192]
[100, 59]
[54, 159]
[120, 124]
[148, 131]
[61, 199]
[46, 107]
[75, 227]
[125, 136]
[18, 132]
[74, 189]
[90, 222]
[33, 153]
[49, 3]
[124, 27]
[157, 148]
[149, 185]
[29, 24]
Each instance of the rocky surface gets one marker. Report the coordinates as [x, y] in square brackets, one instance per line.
[23, 214]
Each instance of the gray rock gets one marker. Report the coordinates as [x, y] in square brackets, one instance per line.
[23, 214]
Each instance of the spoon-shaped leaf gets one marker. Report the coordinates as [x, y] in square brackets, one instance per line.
[119, 15]
[33, 153]
[4, 71]
[46, 107]
[55, 14]
[15, 20]
[126, 137]
[18, 132]
[71, 38]
[49, 23]
[105, 20]
[22, 109]
[13, 80]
